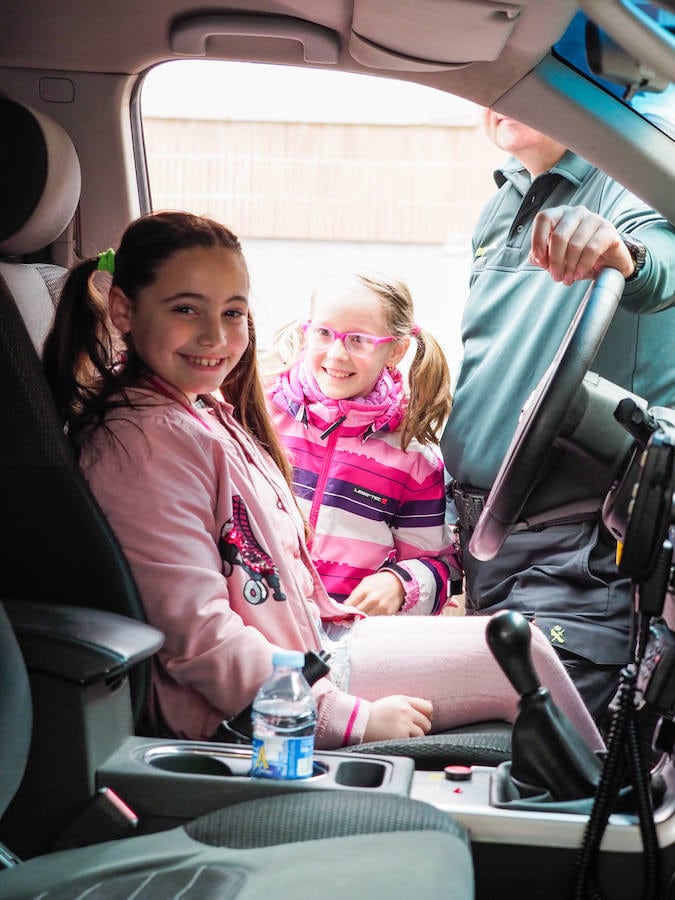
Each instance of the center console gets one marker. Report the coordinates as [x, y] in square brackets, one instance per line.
[536, 852]
[555, 816]
[525, 841]
[169, 783]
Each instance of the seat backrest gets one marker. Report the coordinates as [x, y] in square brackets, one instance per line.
[16, 713]
[57, 545]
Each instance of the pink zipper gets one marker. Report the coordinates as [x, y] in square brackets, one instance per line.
[323, 477]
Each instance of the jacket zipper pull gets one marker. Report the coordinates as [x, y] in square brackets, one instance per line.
[331, 428]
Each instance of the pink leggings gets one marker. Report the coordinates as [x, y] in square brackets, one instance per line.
[446, 659]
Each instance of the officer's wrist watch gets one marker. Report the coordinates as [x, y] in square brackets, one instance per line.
[638, 253]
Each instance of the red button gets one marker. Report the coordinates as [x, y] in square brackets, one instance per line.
[458, 773]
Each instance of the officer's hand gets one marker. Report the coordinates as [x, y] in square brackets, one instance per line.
[572, 244]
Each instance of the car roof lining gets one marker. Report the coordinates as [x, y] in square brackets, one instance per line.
[414, 32]
[474, 48]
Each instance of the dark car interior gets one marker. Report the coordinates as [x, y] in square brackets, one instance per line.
[94, 802]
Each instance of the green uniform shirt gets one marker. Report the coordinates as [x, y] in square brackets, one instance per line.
[516, 315]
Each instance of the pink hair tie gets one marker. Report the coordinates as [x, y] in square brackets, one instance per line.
[415, 330]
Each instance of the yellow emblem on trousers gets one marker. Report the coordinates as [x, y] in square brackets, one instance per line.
[557, 634]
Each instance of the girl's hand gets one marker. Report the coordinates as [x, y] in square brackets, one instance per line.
[398, 717]
[380, 594]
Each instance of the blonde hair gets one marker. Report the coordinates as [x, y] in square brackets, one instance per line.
[428, 383]
[285, 349]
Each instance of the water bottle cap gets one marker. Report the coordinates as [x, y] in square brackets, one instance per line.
[294, 659]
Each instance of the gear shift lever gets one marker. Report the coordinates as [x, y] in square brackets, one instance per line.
[547, 752]
[508, 637]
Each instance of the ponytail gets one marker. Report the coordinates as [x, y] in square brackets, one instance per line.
[287, 344]
[429, 400]
[79, 351]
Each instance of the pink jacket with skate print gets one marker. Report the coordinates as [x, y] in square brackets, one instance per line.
[369, 504]
[216, 545]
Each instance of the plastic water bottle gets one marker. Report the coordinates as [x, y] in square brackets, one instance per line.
[284, 718]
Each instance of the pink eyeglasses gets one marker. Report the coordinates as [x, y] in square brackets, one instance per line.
[320, 337]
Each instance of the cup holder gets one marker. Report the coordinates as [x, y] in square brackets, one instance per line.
[191, 764]
[210, 761]
[360, 773]
[225, 761]
[198, 761]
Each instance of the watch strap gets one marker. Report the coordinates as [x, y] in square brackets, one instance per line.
[638, 253]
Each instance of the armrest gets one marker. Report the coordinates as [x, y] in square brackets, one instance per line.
[79, 644]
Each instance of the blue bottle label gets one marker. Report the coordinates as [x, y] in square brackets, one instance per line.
[283, 757]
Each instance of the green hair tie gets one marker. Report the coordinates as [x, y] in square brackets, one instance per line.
[106, 261]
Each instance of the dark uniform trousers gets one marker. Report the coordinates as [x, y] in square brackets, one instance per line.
[564, 577]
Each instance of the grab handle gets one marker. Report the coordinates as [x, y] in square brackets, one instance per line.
[320, 45]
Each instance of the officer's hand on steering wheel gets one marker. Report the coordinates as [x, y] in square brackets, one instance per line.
[572, 244]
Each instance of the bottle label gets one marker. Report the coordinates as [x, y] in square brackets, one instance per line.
[283, 757]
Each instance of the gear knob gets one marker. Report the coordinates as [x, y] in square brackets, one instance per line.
[547, 753]
[508, 637]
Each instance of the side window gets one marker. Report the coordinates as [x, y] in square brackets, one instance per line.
[320, 172]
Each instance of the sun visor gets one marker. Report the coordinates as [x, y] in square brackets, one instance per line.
[425, 35]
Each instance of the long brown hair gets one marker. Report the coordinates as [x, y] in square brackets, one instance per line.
[90, 367]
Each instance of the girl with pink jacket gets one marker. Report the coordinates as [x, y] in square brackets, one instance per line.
[160, 391]
[367, 471]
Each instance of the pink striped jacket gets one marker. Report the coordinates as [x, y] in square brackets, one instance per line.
[370, 505]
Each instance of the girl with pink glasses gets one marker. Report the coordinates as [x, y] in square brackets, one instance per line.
[366, 468]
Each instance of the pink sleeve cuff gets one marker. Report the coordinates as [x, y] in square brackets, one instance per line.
[350, 723]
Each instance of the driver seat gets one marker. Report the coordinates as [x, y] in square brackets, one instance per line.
[60, 544]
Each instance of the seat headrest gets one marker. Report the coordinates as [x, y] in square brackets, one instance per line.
[41, 173]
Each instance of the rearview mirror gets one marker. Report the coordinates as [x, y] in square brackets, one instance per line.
[608, 60]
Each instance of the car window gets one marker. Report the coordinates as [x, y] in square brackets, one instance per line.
[321, 171]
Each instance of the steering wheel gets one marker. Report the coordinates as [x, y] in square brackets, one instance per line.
[544, 413]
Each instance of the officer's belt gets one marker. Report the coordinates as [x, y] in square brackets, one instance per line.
[470, 501]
